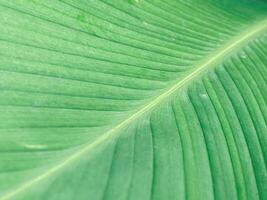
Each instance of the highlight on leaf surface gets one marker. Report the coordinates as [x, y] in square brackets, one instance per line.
[133, 100]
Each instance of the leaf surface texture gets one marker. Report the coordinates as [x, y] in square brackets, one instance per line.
[138, 100]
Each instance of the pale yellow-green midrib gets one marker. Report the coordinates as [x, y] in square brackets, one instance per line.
[214, 58]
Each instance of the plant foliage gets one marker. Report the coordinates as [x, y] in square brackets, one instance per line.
[138, 100]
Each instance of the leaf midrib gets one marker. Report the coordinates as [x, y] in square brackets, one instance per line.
[207, 63]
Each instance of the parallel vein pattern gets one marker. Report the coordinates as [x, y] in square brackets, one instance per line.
[133, 100]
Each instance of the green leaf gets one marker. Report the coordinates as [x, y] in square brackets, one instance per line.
[138, 100]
